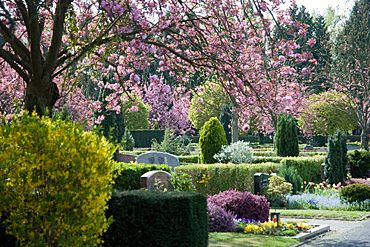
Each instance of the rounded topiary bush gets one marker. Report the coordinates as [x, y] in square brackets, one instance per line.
[55, 180]
[242, 204]
[219, 219]
[355, 193]
[135, 114]
[212, 137]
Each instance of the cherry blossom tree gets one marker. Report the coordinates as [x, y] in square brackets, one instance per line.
[232, 40]
[168, 107]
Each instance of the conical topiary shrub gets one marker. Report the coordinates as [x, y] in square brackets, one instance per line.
[212, 137]
[286, 136]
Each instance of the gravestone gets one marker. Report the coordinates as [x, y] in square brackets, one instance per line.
[156, 180]
[308, 147]
[126, 158]
[261, 182]
[158, 158]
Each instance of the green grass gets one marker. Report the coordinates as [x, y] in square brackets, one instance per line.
[323, 214]
[233, 239]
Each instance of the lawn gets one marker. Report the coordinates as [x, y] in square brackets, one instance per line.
[233, 239]
[323, 214]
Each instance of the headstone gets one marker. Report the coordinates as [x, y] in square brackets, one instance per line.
[261, 182]
[126, 158]
[322, 171]
[308, 148]
[156, 180]
[158, 158]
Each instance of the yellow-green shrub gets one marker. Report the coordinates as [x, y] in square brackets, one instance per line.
[55, 180]
[214, 178]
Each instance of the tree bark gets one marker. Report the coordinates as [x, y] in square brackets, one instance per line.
[41, 96]
[234, 126]
[365, 138]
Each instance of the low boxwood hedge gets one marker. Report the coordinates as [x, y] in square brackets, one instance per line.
[157, 219]
[189, 159]
[128, 175]
[211, 179]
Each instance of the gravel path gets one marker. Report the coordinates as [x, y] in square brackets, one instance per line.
[342, 234]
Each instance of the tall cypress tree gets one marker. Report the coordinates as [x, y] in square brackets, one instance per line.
[336, 160]
[286, 136]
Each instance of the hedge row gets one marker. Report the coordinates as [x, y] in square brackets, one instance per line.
[143, 138]
[273, 154]
[157, 219]
[309, 168]
[211, 179]
[189, 159]
[264, 159]
[128, 175]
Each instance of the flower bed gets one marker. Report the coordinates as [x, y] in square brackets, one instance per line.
[272, 227]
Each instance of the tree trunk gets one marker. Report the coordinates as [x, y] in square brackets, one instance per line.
[41, 97]
[365, 138]
[234, 126]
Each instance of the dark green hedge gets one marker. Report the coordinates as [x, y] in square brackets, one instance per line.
[143, 138]
[128, 174]
[157, 219]
[211, 179]
[359, 163]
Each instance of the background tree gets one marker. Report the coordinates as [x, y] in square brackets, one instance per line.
[135, 114]
[208, 101]
[327, 112]
[316, 41]
[350, 71]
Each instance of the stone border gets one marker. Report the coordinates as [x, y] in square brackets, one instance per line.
[314, 232]
[324, 218]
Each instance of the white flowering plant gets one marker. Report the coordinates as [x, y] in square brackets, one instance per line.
[237, 153]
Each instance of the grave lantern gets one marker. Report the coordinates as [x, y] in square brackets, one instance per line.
[275, 217]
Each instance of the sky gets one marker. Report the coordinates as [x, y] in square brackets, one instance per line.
[319, 6]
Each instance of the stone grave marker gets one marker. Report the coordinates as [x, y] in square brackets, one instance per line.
[261, 182]
[158, 158]
[122, 157]
[156, 181]
[308, 147]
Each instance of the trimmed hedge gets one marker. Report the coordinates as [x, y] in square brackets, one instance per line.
[264, 153]
[189, 159]
[157, 219]
[309, 168]
[212, 179]
[273, 154]
[128, 174]
[143, 138]
[264, 159]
